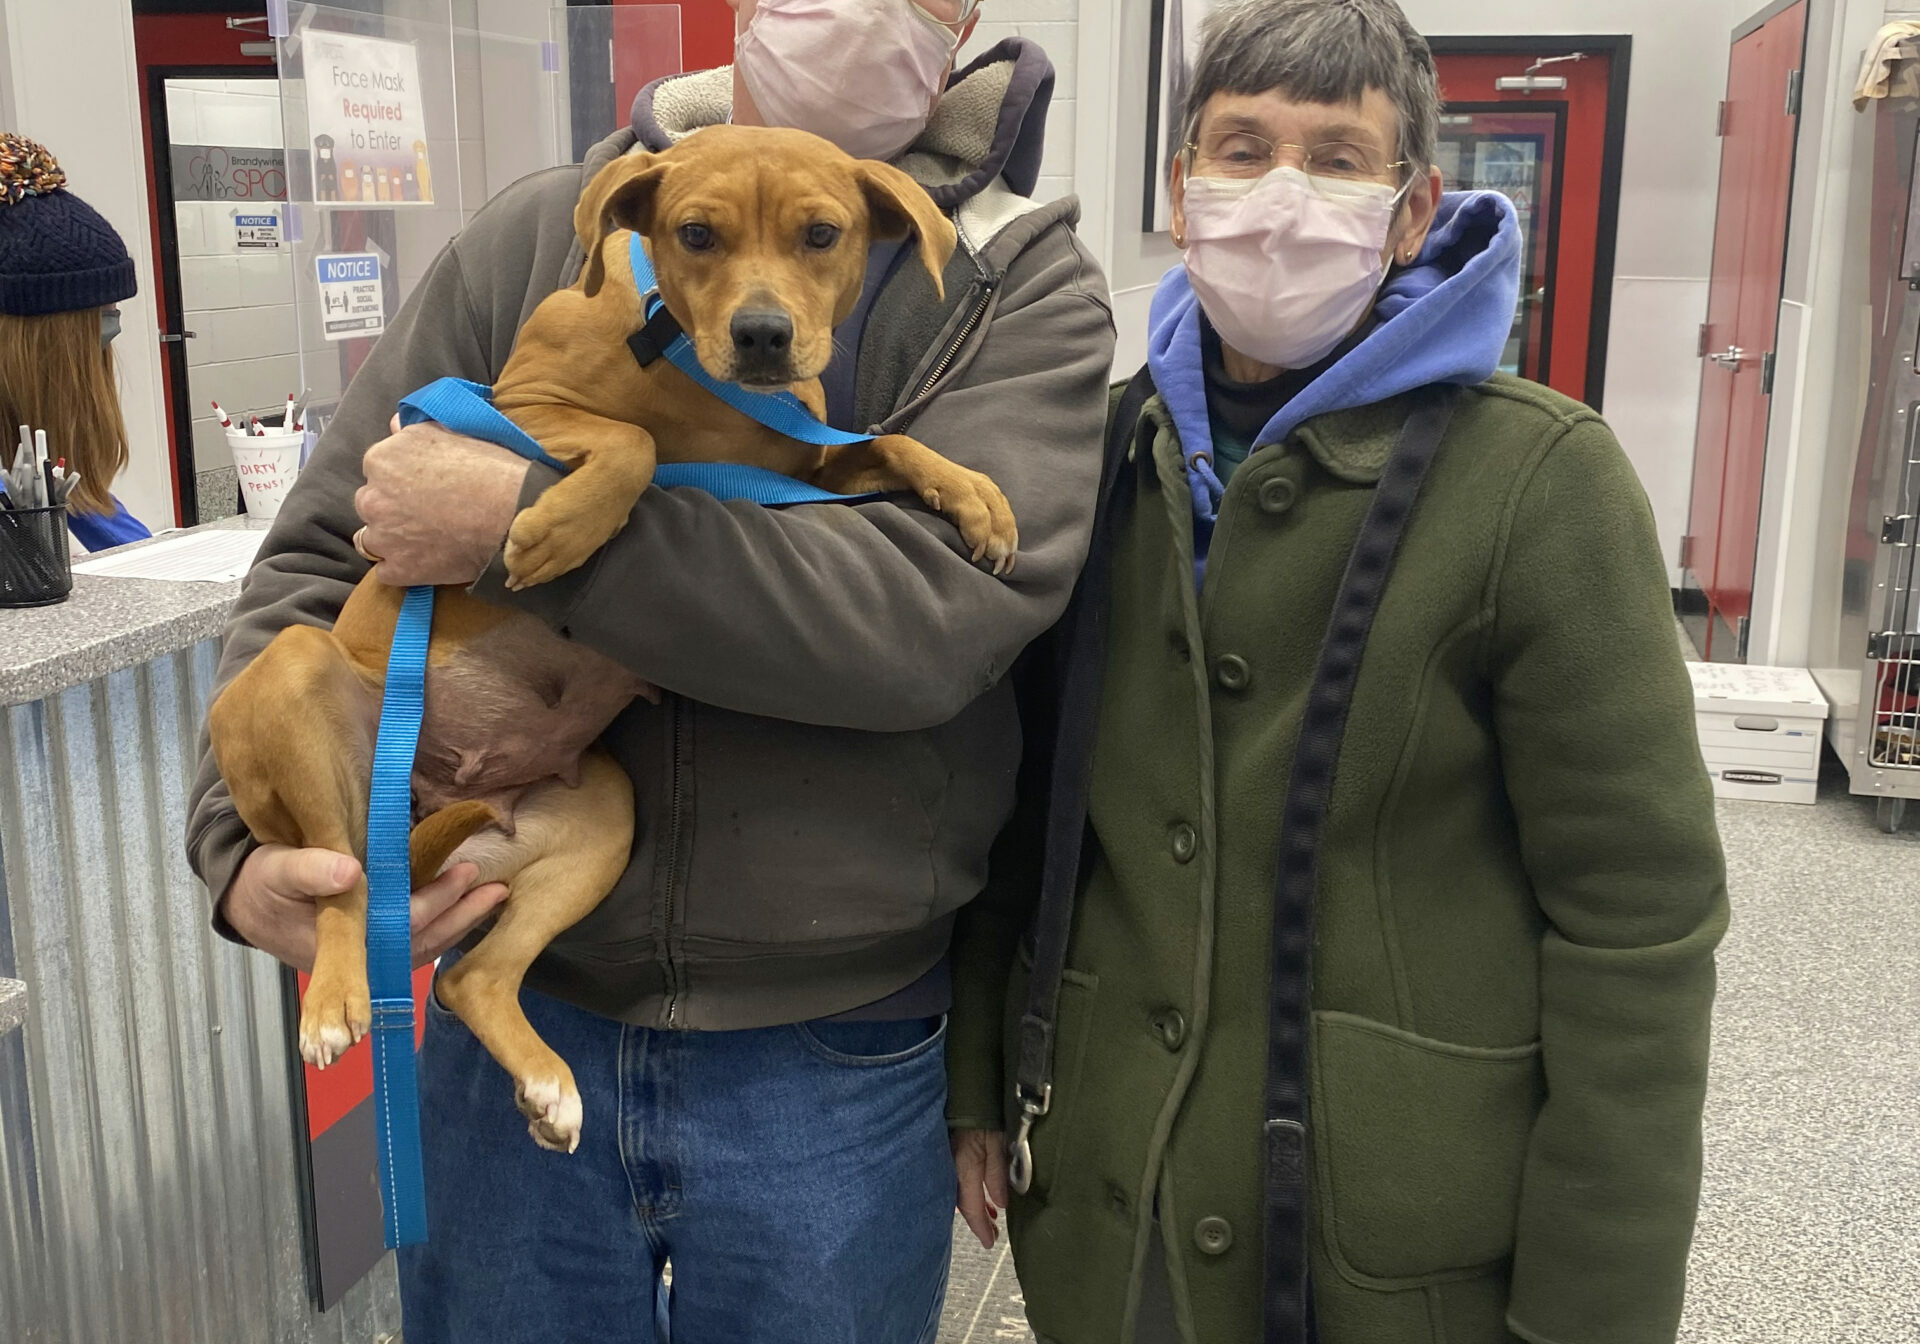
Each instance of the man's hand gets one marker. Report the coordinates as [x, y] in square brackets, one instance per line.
[980, 1162]
[271, 902]
[436, 505]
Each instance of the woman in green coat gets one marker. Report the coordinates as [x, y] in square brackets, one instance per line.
[1369, 993]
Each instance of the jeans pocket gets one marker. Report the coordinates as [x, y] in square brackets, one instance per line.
[872, 1045]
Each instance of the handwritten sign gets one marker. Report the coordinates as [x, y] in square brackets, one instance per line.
[267, 467]
[352, 302]
[367, 119]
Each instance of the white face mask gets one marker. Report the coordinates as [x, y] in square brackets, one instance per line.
[861, 73]
[1285, 271]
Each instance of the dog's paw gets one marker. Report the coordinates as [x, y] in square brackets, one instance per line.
[553, 1111]
[537, 553]
[982, 514]
[333, 1017]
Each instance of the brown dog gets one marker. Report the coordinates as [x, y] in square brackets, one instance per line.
[759, 239]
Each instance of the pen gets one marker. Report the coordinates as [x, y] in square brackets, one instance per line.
[225, 423]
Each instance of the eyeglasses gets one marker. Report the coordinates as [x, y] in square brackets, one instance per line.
[1330, 167]
[946, 13]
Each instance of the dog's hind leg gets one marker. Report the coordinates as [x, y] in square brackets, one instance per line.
[293, 734]
[569, 847]
[612, 465]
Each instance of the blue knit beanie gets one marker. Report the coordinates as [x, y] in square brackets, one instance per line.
[56, 253]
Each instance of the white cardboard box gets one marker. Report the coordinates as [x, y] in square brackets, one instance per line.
[1760, 730]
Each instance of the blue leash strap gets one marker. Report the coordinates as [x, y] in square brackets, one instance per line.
[467, 408]
[396, 1086]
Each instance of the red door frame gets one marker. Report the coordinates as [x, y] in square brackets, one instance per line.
[1749, 271]
[1588, 205]
[203, 45]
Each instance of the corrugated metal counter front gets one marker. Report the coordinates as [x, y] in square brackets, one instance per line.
[148, 1166]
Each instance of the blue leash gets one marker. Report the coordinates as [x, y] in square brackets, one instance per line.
[467, 408]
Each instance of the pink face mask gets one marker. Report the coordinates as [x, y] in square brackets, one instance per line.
[1285, 270]
[861, 73]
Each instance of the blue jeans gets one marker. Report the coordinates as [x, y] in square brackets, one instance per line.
[798, 1178]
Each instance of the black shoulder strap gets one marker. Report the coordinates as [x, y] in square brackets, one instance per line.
[1082, 664]
[1290, 1002]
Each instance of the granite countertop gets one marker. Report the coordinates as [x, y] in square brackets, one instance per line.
[106, 625]
[13, 1005]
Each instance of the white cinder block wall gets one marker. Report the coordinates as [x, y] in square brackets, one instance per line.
[1054, 25]
[238, 304]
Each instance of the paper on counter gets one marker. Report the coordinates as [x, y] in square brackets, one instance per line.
[218, 556]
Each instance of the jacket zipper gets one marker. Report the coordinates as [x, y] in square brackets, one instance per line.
[960, 339]
[676, 799]
[986, 283]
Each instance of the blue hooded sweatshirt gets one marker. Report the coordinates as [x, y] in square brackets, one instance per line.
[1445, 319]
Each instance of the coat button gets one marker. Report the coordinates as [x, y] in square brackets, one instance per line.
[1277, 494]
[1232, 672]
[1213, 1236]
[1183, 841]
[1171, 1028]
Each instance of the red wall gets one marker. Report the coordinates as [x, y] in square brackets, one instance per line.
[706, 33]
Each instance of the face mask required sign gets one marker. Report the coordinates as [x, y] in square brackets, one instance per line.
[351, 300]
[367, 121]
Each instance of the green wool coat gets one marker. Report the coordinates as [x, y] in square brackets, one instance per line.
[1521, 891]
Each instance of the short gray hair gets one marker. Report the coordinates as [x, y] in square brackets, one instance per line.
[1321, 51]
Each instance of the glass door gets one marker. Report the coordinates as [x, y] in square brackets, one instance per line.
[1543, 121]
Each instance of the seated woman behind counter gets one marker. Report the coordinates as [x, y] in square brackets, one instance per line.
[63, 271]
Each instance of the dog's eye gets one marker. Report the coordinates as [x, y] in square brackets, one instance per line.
[696, 237]
[820, 237]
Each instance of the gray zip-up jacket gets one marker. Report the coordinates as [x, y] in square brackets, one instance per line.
[837, 747]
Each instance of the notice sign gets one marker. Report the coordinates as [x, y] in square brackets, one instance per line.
[255, 233]
[367, 121]
[351, 302]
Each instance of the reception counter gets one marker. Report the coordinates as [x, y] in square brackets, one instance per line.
[151, 1160]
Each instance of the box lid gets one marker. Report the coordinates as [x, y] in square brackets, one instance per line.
[1729, 688]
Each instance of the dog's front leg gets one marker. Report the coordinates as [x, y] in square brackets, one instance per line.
[612, 464]
[896, 462]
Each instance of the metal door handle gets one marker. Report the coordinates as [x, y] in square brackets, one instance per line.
[167, 337]
[1731, 358]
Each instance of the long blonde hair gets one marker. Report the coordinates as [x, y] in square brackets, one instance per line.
[54, 376]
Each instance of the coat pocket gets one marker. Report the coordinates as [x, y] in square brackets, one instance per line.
[1051, 1138]
[1419, 1147]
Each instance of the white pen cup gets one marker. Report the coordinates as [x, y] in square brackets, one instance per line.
[267, 465]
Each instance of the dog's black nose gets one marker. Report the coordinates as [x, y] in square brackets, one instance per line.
[762, 335]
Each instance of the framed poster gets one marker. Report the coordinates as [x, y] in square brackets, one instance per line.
[1176, 47]
[367, 121]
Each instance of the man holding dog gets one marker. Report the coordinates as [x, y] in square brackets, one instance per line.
[1375, 954]
[756, 1016]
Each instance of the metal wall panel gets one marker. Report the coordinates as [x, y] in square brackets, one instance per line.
[147, 1180]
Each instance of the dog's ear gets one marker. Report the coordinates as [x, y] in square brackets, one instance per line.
[899, 208]
[619, 197]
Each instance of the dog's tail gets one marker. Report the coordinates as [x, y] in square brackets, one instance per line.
[439, 834]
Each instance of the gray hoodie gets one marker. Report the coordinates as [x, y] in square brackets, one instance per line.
[837, 747]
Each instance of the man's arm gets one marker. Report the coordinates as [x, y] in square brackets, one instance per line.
[307, 565]
[1594, 714]
[870, 616]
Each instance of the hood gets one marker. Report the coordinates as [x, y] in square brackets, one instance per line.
[1445, 319]
[990, 123]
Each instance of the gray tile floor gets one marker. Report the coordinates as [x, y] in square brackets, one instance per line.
[1810, 1219]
